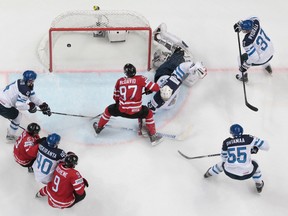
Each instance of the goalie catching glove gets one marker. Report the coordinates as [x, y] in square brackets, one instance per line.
[44, 107]
[199, 69]
[166, 92]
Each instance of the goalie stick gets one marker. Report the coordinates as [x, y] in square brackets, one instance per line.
[166, 135]
[244, 87]
[202, 156]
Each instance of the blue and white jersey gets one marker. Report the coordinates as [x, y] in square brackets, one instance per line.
[257, 44]
[183, 70]
[46, 162]
[187, 73]
[236, 153]
[17, 94]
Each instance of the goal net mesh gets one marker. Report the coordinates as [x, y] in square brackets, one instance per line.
[96, 41]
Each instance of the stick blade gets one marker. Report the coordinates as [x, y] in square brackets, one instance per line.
[255, 109]
[183, 155]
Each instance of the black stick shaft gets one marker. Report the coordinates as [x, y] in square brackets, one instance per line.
[74, 115]
[244, 87]
[197, 157]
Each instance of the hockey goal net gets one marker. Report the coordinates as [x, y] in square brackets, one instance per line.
[96, 41]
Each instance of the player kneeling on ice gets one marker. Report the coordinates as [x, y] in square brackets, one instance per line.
[128, 102]
[236, 157]
[257, 45]
[172, 70]
[26, 146]
[48, 157]
[67, 186]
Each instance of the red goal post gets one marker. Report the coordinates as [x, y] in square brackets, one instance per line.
[112, 23]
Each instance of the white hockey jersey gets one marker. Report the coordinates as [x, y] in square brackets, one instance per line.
[46, 162]
[17, 94]
[257, 45]
[236, 153]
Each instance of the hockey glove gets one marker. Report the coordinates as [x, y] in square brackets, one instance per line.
[244, 67]
[254, 150]
[148, 92]
[85, 182]
[237, 27]
[38, 141]
[45, 109]
[32, 107]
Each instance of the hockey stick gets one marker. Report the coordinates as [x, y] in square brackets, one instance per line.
[74, 115]
[244, 87]
[202, 156]
[169, 136]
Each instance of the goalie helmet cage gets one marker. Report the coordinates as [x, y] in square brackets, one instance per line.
[83, 22]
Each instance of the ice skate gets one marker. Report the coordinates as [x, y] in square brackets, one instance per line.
[97, 129]
[207, 174]
[30, 170]
[268, 69]
[156, 139]
[240, 78]
[11, 138]
[38, 195]
[144, 131]
[259, 186]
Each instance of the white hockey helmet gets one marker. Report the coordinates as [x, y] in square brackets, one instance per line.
[166, 92]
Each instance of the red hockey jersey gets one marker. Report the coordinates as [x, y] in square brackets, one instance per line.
[25, 148]
[128, 93]
[61, 188]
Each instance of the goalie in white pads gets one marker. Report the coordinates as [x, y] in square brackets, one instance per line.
[173, 70]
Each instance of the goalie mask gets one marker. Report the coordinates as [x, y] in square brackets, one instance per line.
[166, 92]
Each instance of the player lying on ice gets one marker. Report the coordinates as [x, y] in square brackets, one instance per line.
[174, 68]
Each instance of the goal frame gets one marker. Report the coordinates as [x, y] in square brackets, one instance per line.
[51, 30]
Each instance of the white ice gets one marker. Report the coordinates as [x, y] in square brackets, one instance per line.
[127, 176]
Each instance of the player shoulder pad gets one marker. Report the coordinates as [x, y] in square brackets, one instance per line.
[23, 88]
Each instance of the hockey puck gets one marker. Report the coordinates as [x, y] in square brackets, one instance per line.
[68, 45]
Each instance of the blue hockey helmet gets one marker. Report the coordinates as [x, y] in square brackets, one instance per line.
[246, 25]
[129, 70]
[53, 140]
[29, 75]
[236, 130]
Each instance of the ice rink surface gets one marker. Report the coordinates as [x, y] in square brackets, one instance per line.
[127, 176]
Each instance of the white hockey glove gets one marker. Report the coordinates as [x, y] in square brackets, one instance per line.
[199, 69]
[166, 92]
